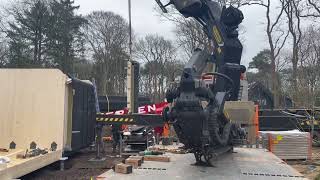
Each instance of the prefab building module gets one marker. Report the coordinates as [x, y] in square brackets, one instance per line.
[39, 108]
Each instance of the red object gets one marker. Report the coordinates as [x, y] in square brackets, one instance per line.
[152, 109]
[270, 140]
[166, 130]
[242, 76]
[256, 120]
[158, 130]
[208, 77]
[147, 109]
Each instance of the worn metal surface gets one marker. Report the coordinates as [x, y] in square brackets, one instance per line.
[243, 164]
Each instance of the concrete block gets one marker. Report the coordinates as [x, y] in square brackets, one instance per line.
[137, 157]
[133, 162]
[123, 168]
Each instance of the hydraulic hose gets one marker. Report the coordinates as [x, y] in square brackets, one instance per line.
[223, 140]
[223, 76]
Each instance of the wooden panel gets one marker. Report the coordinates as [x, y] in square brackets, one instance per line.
[157, 158]
[32, 107]
[19, 167]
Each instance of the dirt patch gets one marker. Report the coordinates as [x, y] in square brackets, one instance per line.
[310, 168]
[77, 167]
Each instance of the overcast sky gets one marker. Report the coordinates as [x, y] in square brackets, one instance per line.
[146, 21]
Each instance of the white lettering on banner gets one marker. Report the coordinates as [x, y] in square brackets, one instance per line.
[121, 112]
[141, 110]
[152, 108]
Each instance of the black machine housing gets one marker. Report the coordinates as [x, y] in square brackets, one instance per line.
[197, 108]
[140, 138]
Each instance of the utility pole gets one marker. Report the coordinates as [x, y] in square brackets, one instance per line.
[130, 30]
[130, 71]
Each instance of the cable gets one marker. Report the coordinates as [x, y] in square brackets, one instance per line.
[291, 114]
[296, 117]
[225, 77]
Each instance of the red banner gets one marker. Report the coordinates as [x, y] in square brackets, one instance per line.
[147, 109]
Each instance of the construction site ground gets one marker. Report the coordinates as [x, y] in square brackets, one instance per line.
[309, 168]
[78, 166]
[242, 164]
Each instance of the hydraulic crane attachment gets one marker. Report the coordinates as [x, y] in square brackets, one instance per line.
[197, 108]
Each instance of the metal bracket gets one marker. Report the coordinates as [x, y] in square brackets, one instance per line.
[54, 146]
[12, 145]
[33, 145]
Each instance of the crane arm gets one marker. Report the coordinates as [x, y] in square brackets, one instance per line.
[220, 26]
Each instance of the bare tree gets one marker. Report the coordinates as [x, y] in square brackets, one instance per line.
[191, 36]
[158, 54]
[287, 27]
[238, 3]
[309, 64]
[311, 8]
[293, 16]
[277, 37]
[189, 32]
[107, 37]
